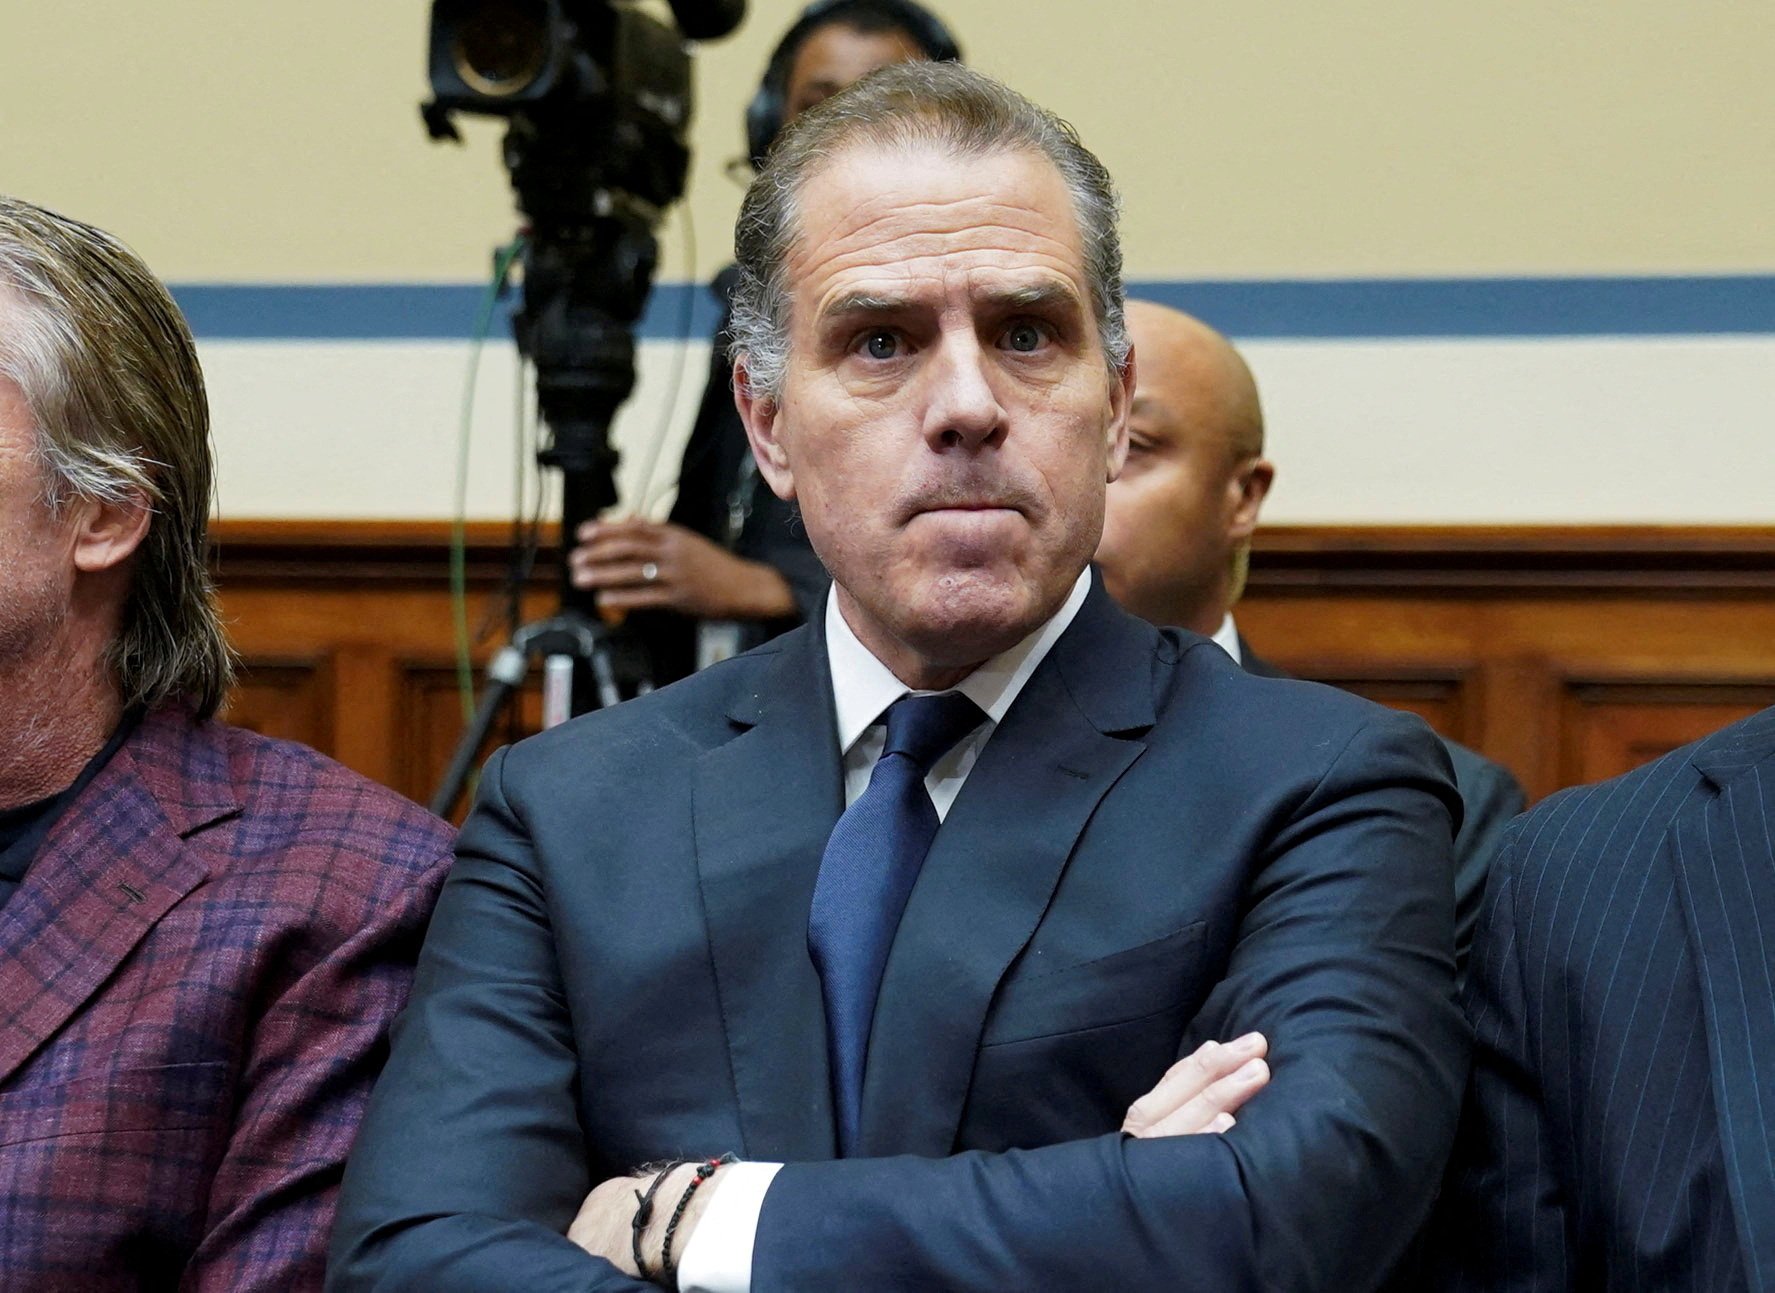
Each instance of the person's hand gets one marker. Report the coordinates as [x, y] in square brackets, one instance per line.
[605, 1224]
[644, 565]
[1202, 1091]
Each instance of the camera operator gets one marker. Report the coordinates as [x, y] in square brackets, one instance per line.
[732, 567]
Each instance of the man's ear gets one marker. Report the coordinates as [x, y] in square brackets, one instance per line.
[760, 414]
[1121, 401]
[106, 534]
[1249, 487]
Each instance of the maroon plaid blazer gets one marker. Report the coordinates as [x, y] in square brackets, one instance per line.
[196, 982]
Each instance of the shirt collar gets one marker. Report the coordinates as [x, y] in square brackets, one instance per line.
[863, 686]
[1226, 637]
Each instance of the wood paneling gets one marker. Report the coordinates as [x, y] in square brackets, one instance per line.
[1571, 653]
[347, 636]
[287, 698]
[431, 722]
[1568, 653]
[1611, 727]
[1445, 698]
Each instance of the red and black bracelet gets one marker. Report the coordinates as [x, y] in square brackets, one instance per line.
[668, 1269]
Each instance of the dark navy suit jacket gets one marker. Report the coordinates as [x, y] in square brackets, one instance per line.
[1620, 1132]
[1490, 797]
[1154, 848]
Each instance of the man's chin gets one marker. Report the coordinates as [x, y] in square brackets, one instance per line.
[963, 617]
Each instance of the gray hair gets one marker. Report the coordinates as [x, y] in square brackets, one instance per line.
[970, 115]
[109, 372]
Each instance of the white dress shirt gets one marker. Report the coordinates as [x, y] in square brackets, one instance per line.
[1226, 637]
[718, 1258]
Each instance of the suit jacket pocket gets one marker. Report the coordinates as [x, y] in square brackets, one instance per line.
[1134, 983]
[164, 1097]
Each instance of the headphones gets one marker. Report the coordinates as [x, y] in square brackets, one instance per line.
[765, 114]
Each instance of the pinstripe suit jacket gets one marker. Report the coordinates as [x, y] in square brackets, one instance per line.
[196, 981]
[1620, 1125]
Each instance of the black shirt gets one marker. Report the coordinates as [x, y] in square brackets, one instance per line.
[23, 829]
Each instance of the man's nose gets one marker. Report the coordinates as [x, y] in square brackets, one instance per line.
[964, 410]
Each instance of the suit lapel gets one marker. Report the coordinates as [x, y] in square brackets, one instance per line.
[1725, 865]
[764, 805]
[992, 871]
[113, 865]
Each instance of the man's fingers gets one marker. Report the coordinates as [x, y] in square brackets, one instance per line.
[616, 574]
[628, 526]
[1212, 1110]
[1190, 1076]
[617, 547]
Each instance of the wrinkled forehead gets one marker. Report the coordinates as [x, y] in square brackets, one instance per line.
[899, 210]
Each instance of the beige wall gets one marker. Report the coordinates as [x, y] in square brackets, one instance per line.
[275, 142]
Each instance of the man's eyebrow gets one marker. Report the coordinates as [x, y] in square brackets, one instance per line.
[852, 304]
[1036, 296]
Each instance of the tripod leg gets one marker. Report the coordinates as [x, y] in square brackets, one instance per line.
[604, 673]
[504, 672]
[557, 689]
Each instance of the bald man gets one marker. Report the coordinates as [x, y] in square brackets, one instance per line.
[1178, 526]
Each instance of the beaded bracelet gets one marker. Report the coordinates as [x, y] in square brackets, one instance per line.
[667, 1268]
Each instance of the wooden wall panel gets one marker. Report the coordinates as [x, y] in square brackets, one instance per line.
[1568, 653]
[1612, 727]
[1446, 699]
[1536, 664]
[283, 697]
[431, 724]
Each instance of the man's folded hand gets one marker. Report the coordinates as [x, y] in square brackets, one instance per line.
[1203, 1090]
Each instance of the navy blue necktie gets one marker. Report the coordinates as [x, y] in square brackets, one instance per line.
[866, 874]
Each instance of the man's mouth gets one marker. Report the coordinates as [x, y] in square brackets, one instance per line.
[966, 505]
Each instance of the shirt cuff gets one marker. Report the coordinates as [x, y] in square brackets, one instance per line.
[718, 1258]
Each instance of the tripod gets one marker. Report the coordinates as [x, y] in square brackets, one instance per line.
[564, 642]
[583, 292]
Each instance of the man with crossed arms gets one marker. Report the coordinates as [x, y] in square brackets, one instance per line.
[908, 907]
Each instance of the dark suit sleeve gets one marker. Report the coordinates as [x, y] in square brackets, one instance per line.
[1501, 1223]
[1344, 959]
[1490, 798]
[471, 1162]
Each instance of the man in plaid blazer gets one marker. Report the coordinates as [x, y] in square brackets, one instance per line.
[204, 934]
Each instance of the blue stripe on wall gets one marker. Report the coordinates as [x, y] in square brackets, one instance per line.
[396, 311]
[1477, 307]
[1375, 307]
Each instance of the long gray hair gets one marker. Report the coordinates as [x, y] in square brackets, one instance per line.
[109, 372]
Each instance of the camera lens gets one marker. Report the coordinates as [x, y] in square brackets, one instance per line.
[500, 47]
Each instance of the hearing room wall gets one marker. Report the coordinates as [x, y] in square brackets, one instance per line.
[1499, 263]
